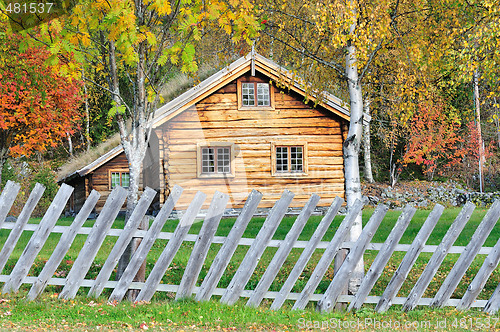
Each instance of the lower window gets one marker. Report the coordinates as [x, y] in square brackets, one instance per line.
[289, 159]
[120, 179]
[215, 159]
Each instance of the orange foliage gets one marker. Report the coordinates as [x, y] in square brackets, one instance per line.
[38, 106]
[433, 139]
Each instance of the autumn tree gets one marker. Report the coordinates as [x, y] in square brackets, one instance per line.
[38, 104]
[135, 45]
[327, 42]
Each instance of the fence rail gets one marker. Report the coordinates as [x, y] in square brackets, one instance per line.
[203, 241]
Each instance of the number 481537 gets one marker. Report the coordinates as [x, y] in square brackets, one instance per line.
[29, 8]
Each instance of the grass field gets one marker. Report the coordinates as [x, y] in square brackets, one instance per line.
[161, 301]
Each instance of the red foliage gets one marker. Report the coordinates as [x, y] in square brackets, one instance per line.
[38, 106]
[433, 140]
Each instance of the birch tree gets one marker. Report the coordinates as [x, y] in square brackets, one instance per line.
[326, 42]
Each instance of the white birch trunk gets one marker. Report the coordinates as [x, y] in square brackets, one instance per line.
[478, 123]
[366, 144]
[351, 153]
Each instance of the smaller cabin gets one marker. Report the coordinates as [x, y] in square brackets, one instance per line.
[234, 132]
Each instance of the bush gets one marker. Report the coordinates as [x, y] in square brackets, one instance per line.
[27, 174]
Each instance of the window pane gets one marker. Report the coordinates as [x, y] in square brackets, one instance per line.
[248, 94]
[207, 160]
[115, 180]
[263, 94]
[296, 160]
[281, 159]
[125, 180]
[223, 160]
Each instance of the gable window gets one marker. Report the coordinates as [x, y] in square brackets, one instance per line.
[119, 179]
[255, 94]
[288, 159]
[215, 159]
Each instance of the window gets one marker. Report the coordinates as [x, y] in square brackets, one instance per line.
[251, 92]
[119, 179]
[215, 159]
[288, 159]
[254, 95]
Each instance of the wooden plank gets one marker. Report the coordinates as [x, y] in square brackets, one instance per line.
[170, 250]
[467, 256]
[93, 243]
[489, 265]
[328, 255]
[7, 198]
[38, 239]
[411, 256]
[63, 246]
[438, 257]
[228, 248]
[283, 252]
[21, 221]
[121, 244]
[341, 278]
[309, 249]
[202, 245]
[147, 242]
[257, 248]
[493, 303]
[382, 258]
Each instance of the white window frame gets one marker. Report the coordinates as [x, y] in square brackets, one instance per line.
[216, 173]
[288, 145]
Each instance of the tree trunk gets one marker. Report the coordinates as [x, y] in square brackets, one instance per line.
[366, 143]
[87, 112]
[478, 124]
[496, 119]
[351, 153]
[70, 145]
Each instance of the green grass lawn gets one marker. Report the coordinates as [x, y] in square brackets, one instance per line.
[175, 271]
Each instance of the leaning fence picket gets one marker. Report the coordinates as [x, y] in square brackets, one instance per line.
[439, 255]
[328, 255]
[307, 253]
[282, 252]
[93, 244]
[168, 253]
[202, 244]
[147, 242]
[21, 222]
[465, 260]
[251, 259]
[63, 246]
[123, 241]
[378, 265]
[7, 198]
[493, 303]
[409, 260]
[477, 284]
[37, 240]
[341, 278]
[228, 247]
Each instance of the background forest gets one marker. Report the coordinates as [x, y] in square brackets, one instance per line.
[429, 73]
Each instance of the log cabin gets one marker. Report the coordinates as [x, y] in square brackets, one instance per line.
[249, 126]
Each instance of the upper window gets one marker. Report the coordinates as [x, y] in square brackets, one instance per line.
[120, 179]
[215, 159]
[255, 94]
